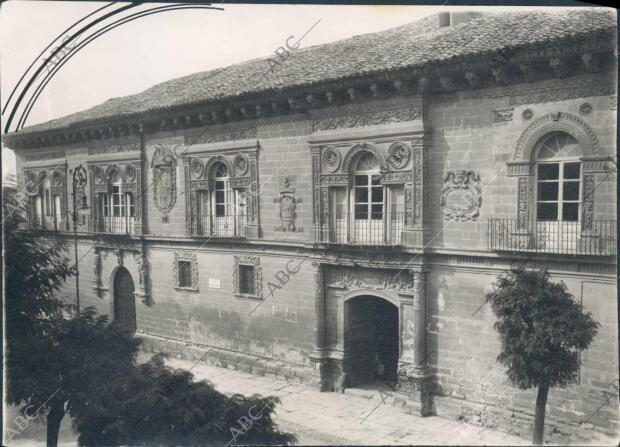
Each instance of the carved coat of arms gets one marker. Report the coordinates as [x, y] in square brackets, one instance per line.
[164, 167]
[461, 195]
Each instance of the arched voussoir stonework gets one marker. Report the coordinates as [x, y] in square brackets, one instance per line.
[110, 170]
[348, 164]
[380, 294]
[556, 122]
[213, 161]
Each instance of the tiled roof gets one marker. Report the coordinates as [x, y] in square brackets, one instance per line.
[416, 44]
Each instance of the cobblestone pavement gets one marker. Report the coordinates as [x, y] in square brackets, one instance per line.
[356, 417]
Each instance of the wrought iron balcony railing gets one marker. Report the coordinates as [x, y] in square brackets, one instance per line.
[112, 225]
[220, 226]
[42, 222]
[377, 228]
[567, 238]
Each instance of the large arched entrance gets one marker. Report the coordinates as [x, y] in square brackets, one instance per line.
[371, 340]
[124, 299]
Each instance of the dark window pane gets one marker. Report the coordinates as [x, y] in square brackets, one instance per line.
[361, 194]
[377, 194]
[361, 179]
[547, 211]
[185, 273]
[246, 279]
[548, 171]
[219, 185]
[377, 212]
[547, 191]
[571, 191]
[571, 170]
[376, 179]
[570, 212]
[361, 211]
[219, 196]
[220, 210]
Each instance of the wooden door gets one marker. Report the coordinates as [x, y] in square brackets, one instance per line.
[124, 299]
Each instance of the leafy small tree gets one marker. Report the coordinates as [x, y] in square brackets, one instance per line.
[158, 405]
[52, 362]
[542, 330]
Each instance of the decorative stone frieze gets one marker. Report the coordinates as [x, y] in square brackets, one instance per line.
[368, 118]
[503, 114]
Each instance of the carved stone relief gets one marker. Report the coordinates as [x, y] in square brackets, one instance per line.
[368, 118]
[288, 204]
[398, 155]
[347, 278]
[503, 114]
[164, 165]
[461, 195]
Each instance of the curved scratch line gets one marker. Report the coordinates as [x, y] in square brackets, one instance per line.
[60, 47]
[109, 27]
[45, 49]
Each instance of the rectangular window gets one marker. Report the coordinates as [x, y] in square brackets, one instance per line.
[246, 279]
[558, 191]
[185, 273]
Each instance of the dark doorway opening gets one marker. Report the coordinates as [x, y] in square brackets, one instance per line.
[124, 299]
[371, 341]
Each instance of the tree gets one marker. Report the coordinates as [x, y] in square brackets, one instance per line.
[53, 362]
[158, 405]
[542, 330]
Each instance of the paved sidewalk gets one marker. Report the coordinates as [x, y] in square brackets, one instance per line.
[356, 417]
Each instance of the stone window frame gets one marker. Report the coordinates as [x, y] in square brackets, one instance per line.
[253, 261]
[524, 162]
[241, 160]
[185, 256]
[57, 174]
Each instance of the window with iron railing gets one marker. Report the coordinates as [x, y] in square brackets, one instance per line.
[368, 213]
[115, 210]
[222, 211]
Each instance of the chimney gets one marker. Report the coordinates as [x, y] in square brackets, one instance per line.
[451, 19]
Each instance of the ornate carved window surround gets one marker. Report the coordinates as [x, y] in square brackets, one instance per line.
[254, 262]
[400, 153]
[241, 161]
[525, 232]
[100, 175]
[57, 174]
[189, 256]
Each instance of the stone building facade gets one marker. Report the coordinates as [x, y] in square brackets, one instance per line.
[312, 230]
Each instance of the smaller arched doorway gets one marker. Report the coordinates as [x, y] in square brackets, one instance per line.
[124, 299]
[371, 340]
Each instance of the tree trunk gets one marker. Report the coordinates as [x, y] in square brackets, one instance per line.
[539, 417]
[54, 418]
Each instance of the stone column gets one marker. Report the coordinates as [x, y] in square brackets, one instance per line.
[319, 356]
[414, 378]
[419, 309]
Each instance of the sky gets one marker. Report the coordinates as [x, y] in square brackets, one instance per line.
[164, 46]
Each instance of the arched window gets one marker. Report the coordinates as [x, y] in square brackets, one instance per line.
[369, 212]
[220, 211]
[116, 207]
[558, 178]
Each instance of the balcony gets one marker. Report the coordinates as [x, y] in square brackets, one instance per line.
[225, 226]
[376, 229]
[42, 222]
[565, 238]
[112, 225]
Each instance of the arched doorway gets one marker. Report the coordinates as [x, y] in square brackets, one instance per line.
[371, 340]
[124, 299]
